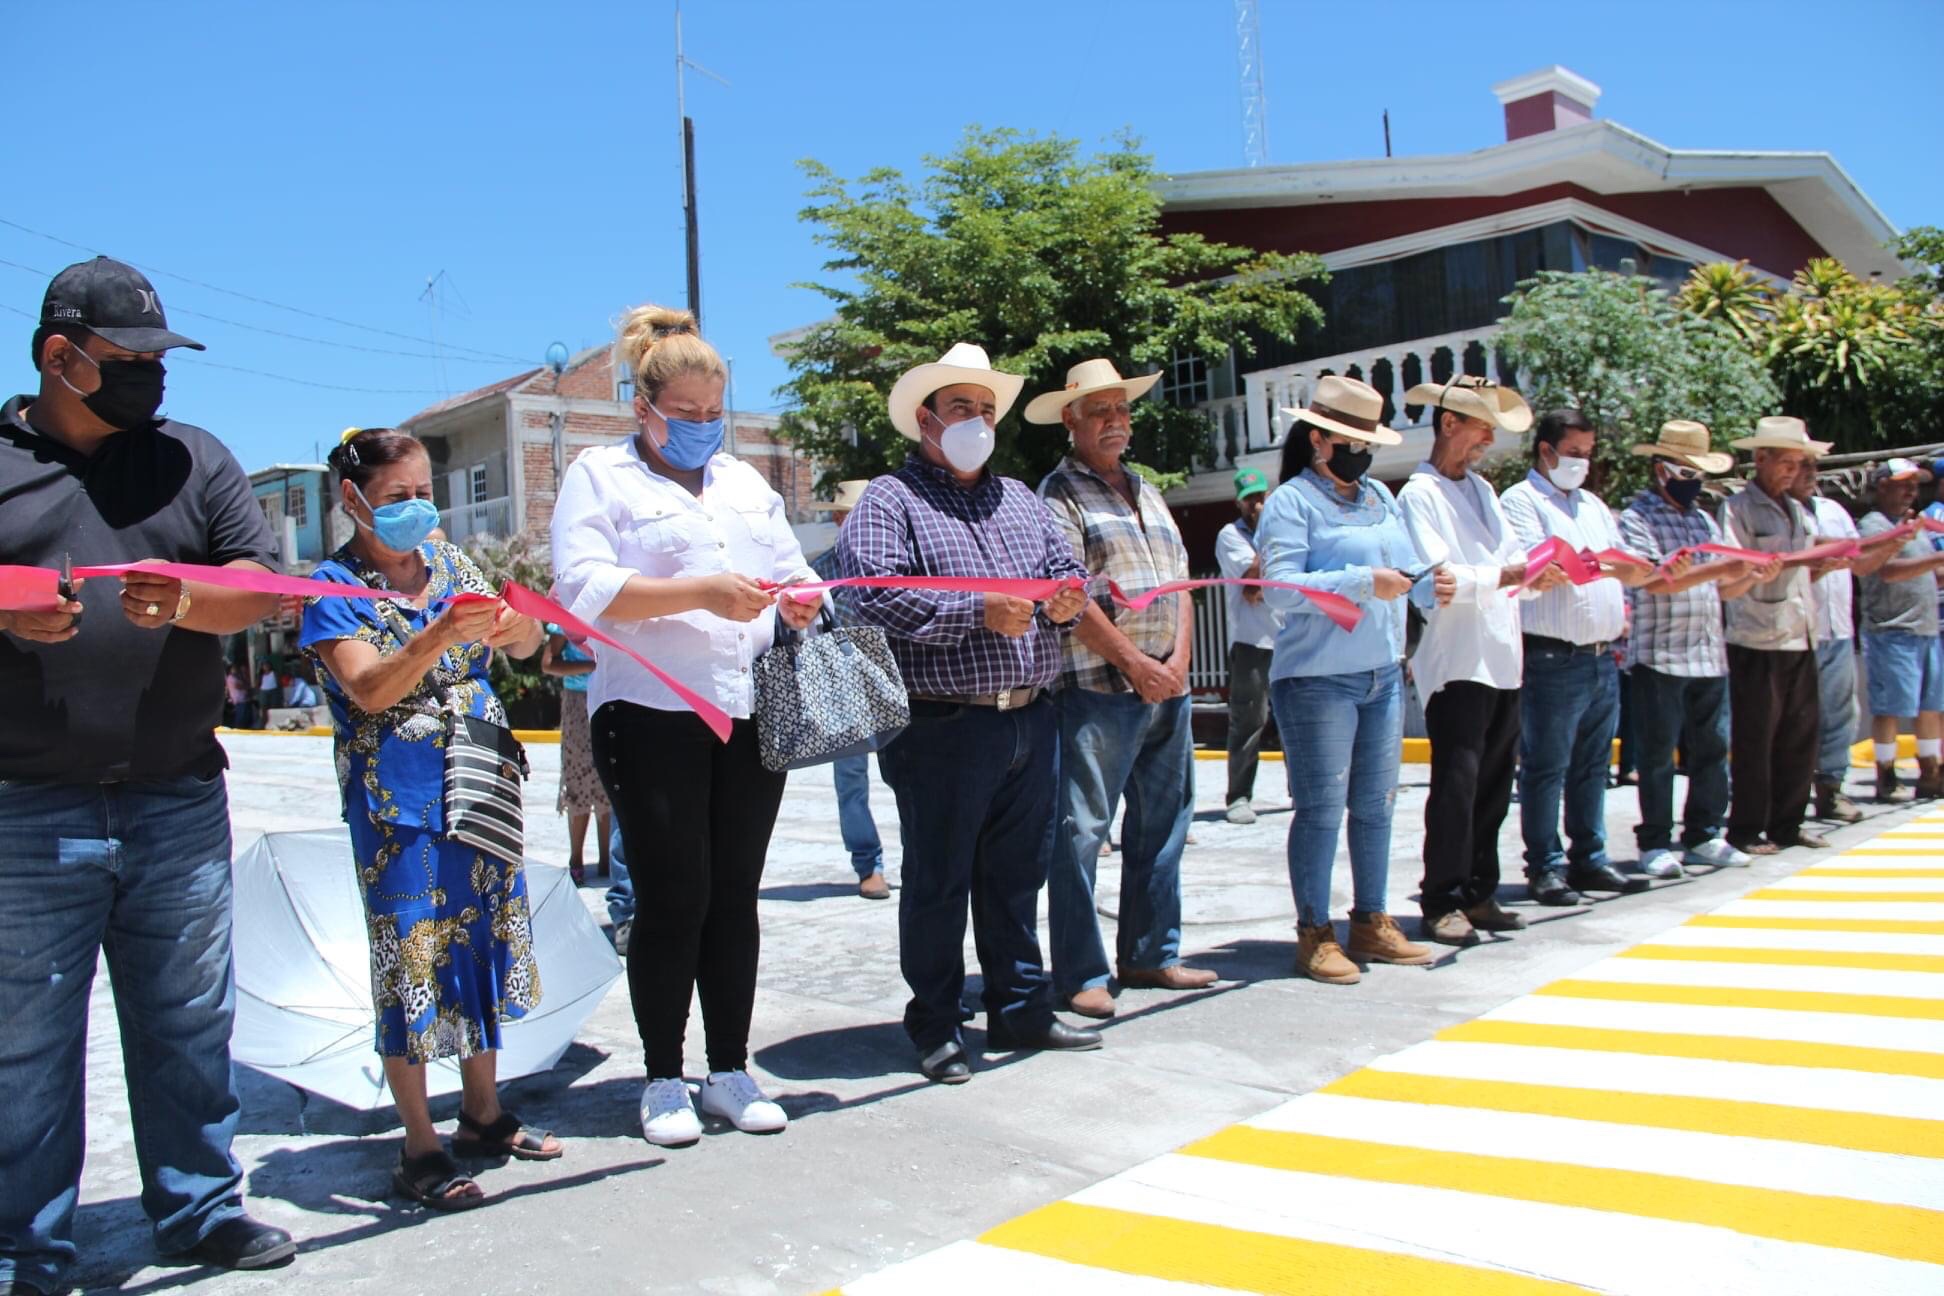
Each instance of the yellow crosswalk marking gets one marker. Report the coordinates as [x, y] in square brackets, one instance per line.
[1856, 1131]
[1153, 1246]
[1711, 1048]
[1788, 957]
[1881, 926]
[1832, 870]
[1804, 895]
[1902, 1232]
[1740, 997]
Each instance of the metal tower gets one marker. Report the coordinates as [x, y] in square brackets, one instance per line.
[1255, 106]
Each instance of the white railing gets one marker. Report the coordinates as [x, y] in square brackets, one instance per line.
[493, 517]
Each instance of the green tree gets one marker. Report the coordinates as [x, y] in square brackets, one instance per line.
[532, 699]
[1620, 349]
[1040, 255]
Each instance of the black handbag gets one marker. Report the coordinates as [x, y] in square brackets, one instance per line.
[823, 697]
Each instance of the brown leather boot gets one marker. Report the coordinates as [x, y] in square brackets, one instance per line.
[1319, 957]
[1833, 805]
[1928, 786]
[1887, 782]
[1376, 938]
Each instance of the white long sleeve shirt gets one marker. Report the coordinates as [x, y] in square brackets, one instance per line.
[616, 517]
[1578, 614]
[1249, 623]
[1475, 637]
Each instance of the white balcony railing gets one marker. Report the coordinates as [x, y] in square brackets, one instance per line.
[493, 517]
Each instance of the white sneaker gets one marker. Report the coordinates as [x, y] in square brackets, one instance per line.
[1717, 852]
[736, 1098]
[1241, 812]
[668, 1118]
[1661, 863]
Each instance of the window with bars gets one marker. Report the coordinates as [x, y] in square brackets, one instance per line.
[297, 505]
[1185, 381]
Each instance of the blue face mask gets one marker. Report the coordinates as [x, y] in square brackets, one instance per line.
[690, 441]
[401, 527]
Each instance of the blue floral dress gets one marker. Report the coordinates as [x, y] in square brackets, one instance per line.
[451, 939]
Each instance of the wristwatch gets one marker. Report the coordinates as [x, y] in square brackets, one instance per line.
[182, 606]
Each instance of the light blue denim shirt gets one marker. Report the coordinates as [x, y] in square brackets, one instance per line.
[1313, 536]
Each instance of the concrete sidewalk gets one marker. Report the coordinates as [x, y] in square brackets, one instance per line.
[878, 1165]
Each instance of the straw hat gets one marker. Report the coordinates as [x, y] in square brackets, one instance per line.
[848, 493]
[1477, 398]
[1781, 432]
[1686, 442]
[966, 362]
[1084, 379]
[1348, 408]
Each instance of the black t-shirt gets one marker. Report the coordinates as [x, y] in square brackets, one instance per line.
[116, 701]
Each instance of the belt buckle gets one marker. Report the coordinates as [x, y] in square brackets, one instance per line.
[1003, 699]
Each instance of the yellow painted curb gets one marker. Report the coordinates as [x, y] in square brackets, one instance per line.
[324, 731]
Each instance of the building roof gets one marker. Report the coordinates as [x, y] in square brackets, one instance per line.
[451, 403]
[268, 471]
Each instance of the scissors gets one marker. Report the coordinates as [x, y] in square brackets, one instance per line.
[65, 586]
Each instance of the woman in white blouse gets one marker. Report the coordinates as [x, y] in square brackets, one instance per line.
[665, 540]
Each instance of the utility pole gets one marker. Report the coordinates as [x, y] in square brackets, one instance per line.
[694, 235]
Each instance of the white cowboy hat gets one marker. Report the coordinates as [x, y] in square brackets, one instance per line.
[1474, 397]
[1686, 442]
[1781, 432]
[1084, 379]
[848, 493]
[966, 362]
[1348, 408]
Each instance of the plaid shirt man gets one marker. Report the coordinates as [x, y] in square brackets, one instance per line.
[1675, 634]
[918, 521]
[1137, 546]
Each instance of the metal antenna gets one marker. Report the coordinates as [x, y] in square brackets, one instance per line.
[1255, 105]
[682, 63]
[432, 298]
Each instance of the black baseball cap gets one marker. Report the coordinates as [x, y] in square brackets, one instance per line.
[112, 301]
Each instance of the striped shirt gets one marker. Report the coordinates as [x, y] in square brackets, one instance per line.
[1578, 614]
[1137, 546]
[919, 521]
[1674, 634]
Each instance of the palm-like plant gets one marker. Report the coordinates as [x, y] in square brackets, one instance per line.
[1731, 293]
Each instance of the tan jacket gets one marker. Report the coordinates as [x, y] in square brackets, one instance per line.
[1774, 616]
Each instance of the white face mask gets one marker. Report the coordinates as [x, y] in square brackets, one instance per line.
[966, 445]
[1569, 474]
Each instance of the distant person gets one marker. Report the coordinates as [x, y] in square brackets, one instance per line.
[1252, 626]
[269, 694]
[852, 774]
[236, 698]
[1900, 644]
[581, 795]
[299, 692]
[1834, 633]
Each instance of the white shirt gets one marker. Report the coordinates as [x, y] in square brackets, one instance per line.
[616, 517]
[1832, 599]
[1476, 637]
[1249, 623]
[1579, 614]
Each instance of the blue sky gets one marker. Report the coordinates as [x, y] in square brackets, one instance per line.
[333, 157]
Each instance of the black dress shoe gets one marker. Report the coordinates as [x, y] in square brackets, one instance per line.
[243, 1243]
[1604, 877]
[1548, 887]
[1055, 1035]
[946, 1064]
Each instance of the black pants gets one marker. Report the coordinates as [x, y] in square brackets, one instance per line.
[695, 817]
[1248, 683]
[976, 806]
[1474, 732]
[1773, 740]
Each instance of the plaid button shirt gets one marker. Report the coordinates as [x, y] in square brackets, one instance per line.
[918, 521]
[1675, 634]
[1137, 548]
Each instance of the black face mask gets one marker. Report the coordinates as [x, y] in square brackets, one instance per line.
[1347, 463]
[1683, 493]
[130, 391]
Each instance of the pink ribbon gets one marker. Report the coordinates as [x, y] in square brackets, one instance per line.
[33, 589]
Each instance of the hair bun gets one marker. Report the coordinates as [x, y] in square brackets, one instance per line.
[645, 326]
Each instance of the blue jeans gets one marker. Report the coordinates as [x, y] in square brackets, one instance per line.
[1693, 713]
[1112, 743]
[1836, 692]
[852, 776]
[975, 796]
[620, 892]
[1342, 736]
[142, 871]
[1569, 706]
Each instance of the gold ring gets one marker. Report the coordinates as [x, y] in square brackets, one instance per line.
[153, 609]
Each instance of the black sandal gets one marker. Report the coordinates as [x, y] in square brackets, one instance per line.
[430, 1179]
[503, 1138]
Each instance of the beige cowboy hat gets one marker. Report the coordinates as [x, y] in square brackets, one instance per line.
[966, 362]
[1349, 408]
[1084, 379]
[1474, 397]
[848, 493]
[1686, 442]
[1781, 432]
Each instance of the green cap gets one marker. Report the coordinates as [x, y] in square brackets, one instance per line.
[1250, 481]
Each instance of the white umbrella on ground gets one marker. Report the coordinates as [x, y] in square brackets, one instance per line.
[303, 972]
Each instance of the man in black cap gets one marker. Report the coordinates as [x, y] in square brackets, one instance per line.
[114, 821]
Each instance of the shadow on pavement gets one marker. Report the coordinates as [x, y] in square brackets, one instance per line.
[798, 891]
